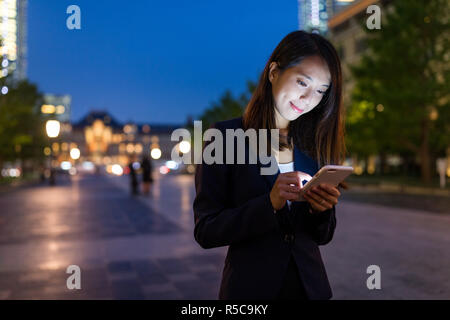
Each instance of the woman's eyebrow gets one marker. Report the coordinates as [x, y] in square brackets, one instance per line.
[306, 76]
[310, 79]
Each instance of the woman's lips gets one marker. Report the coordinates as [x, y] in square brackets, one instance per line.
[295, 108]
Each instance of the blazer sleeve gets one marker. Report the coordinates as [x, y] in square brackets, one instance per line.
[216, 223]
[322, 225]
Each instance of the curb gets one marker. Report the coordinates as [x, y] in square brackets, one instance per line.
[400, 189]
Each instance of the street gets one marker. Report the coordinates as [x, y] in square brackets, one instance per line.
[143, 247]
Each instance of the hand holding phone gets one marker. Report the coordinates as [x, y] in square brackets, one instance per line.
[330, 174]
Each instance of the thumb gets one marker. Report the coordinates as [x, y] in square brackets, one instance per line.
[304, 176]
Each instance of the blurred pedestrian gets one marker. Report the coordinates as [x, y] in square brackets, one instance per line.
[133, 176]
[147, 178]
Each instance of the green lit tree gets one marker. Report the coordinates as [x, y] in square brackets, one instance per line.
[400, 102]
[227, 107]
[22, 132]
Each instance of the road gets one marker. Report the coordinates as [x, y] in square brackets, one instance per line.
[143, 247]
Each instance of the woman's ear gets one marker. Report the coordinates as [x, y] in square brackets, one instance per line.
[273, 71]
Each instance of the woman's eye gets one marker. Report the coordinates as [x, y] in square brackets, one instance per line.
[321, 92]
[300, 82]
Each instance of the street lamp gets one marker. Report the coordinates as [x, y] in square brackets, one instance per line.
[155, 153]
[185, 146]
[75, 153]
[52, 127]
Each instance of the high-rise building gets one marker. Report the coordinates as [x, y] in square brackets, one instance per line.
[57, 107]
[13, 37]
[313, 14]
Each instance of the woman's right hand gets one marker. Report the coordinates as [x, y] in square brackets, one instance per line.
[286, 187]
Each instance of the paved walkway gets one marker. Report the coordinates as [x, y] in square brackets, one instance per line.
[143, 247]
[125, 249]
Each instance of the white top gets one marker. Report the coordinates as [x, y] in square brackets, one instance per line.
[286, 167]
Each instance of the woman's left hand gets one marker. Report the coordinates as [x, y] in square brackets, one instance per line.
[322, 197]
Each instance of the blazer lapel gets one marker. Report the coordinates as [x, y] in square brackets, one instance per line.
[271, 178]
[304, 163]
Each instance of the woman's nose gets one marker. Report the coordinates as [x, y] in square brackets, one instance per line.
[306, 99]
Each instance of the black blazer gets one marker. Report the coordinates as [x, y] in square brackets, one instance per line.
[232, 208]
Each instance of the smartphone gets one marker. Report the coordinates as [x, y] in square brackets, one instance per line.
[330, 174]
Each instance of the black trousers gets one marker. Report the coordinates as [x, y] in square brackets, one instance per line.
[292, 288]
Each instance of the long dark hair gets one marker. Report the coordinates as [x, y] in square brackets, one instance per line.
[320, 132]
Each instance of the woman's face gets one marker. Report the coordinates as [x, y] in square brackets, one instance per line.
[299, 89]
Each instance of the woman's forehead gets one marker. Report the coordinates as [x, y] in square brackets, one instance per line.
[313, 67]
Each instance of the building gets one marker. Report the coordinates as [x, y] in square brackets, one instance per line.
[105, 141]
[348, 37]
[13, 35]
[313, 15]
[57, 107]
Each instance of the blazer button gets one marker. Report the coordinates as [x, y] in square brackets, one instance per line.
[289, 238]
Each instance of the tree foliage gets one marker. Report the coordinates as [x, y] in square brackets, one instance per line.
[227, 107]
[22, 134]
[400, 102]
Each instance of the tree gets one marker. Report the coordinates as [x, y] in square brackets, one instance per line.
[22, 132]
[227, 107]
[400, 101]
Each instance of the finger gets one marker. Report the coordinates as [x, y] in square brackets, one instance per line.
[290, 180]
[303, 175]
[289, 188]
[313, 195]
[316, 204]
[288, 195]
[298, 175]
[324, 195]
[332, 190]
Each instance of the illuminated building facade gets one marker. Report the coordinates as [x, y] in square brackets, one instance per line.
[13, 35]
[105, 141]
[313, 14]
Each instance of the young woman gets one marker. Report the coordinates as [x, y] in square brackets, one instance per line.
[273, 240]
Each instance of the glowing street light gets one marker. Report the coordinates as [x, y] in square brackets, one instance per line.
[53, 127]
[75, 153]
[185, 146]
[156, 153]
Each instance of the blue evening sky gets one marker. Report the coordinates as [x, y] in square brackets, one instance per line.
[153, 60]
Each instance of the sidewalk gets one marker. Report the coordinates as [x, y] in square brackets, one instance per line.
[124, 248]
[398, 188]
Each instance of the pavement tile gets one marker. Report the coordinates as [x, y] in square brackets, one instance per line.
[120, 267]
[8, 279]
[153, 278]
[209, 276]
[5, 294]
[156, 288]
[127, 289]
[164, 295]
[192, 285]
[177, 277]
[173, 265]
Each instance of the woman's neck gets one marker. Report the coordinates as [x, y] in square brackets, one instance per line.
[280, 122]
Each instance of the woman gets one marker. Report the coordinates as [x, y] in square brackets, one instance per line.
[273, 240]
